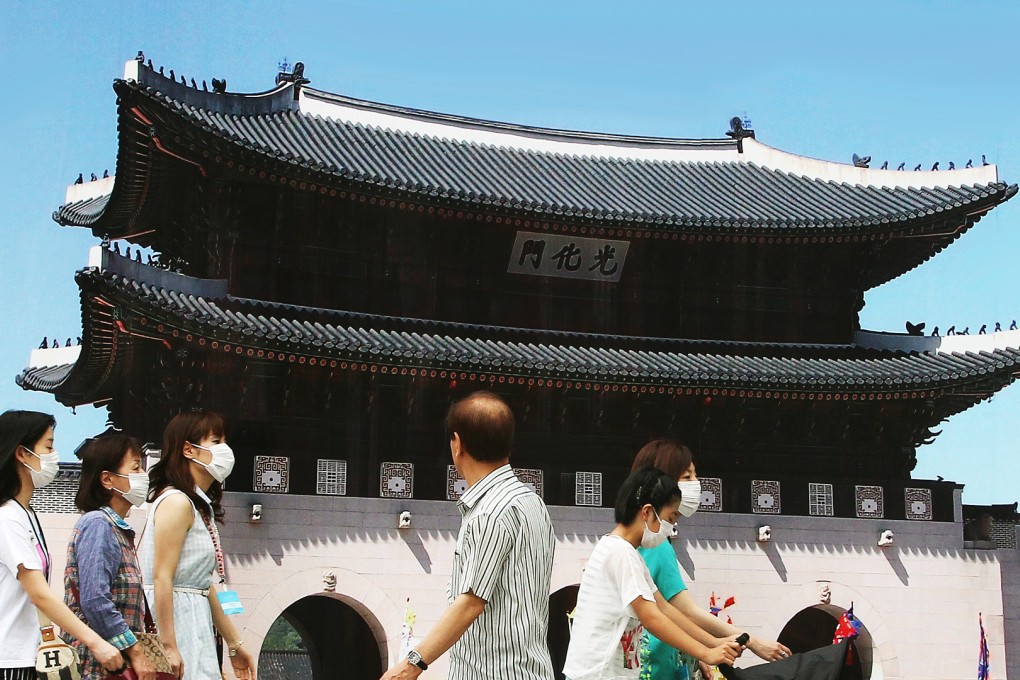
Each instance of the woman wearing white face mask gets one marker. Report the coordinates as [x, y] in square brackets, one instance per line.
[103, 583]
[180, 550]
[617, 599]
[28, 462]
[660, 661]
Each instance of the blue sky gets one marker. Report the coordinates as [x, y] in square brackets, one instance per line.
[908, 81]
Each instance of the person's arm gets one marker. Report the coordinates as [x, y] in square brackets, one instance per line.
[240, 659]
[98, 555]
[171, 522]
[38, 590]
[486, 546]
[685, 623]
[661, 626]
[770, 650]
[454, 622]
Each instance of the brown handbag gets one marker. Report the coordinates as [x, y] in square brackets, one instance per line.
[148, 642]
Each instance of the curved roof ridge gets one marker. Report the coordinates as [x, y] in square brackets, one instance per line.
[456, 120]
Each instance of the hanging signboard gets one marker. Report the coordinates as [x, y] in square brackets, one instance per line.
[571, 257]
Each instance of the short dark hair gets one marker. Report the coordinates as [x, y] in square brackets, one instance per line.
[485, 425]
[173, 468]
[667, 454]
[18, 428]
[646, 485]
[102, 454]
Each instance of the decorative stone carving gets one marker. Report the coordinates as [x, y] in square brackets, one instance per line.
[765, 497]
[711, 494]
[918, 503]
[272, 474]
[328, 582]
[396, 480]
[588, 489]
[331, 477]
[820, 499]
[455, 484]
[530, 477]
[869, 501]
[824, 593]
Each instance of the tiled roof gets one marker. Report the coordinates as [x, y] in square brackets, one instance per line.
[655, 193]
[82, 213]
[413, 343]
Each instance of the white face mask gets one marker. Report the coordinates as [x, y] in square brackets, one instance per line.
[653, 539]
[690, 496]
[222, 462]
[138, 487]
[49, 466]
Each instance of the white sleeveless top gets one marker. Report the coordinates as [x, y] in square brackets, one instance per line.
[193, 580]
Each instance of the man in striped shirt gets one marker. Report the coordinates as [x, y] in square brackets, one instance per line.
[498, 616]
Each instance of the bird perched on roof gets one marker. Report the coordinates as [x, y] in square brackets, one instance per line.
[917, 168]
[915, 328]
[861, 161]
[983, 330]
[42, 345]
[93, 178]
[936, 166]
[106, 174]
[951, 331]
[970, 163]
[901, 166]
[984, 161]
[80, 180]
[935, 332]
[952, 165]
[219, 86]
[885, 166]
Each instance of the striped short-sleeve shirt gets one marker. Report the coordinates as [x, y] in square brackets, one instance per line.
[504, 555]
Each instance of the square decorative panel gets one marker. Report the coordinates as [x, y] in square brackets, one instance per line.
[529, 477]
[455, 484]
[918, 502]
[870, 501]
[765, 497]
[588, 489]
[272, 474]
[396, 480]
[331, 477]
[711, 494]
[820, 499]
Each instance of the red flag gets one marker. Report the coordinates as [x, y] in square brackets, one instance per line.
[848, 628]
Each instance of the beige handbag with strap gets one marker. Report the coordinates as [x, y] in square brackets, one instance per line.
[56, 659]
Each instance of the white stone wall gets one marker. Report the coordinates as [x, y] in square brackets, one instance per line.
[918, 599]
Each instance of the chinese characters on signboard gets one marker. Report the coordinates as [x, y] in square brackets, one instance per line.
[571, 257]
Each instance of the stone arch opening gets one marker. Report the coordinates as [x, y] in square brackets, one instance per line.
[813, 627]
[336, 636]
[561, 603]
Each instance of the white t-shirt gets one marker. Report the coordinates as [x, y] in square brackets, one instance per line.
[21, 543]
[605, 637]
